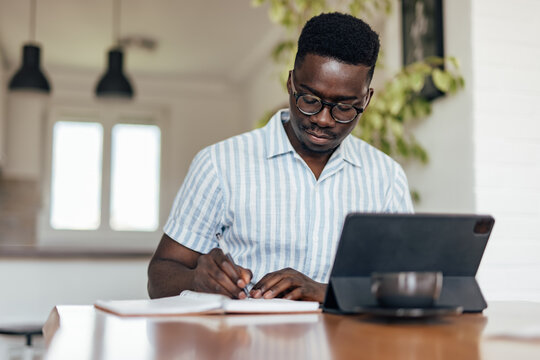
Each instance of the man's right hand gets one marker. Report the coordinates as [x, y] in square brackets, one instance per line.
[175, 268]
[216, 273]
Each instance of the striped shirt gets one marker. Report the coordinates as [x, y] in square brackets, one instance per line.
[271, 210]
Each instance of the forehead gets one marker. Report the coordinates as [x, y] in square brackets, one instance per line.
[331, 77]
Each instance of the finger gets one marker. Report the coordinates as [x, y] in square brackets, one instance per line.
[222, 281]
[224, 272]
[265, 283]
[240, 282]
[227, 265]
[295, 294]
[239, 276]
[245, 276]
[284, 284]
[230, 269]
[256, 291]
[213, 286]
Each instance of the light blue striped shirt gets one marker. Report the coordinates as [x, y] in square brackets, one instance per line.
[272, 211]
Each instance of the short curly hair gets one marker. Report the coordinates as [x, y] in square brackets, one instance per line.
[339, 36]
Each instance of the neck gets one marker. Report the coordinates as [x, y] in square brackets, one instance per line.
[316, 161]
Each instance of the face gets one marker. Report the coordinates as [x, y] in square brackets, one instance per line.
[331, 81]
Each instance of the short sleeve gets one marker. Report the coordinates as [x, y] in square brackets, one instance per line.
[399, 199]
[197, 209]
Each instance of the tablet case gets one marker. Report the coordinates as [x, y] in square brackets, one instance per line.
[452, 244]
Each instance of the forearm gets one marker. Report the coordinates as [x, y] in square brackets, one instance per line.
[168, 278]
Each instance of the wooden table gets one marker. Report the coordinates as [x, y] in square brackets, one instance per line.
[82, 332]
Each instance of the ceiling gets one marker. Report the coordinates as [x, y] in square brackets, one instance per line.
[223, 39]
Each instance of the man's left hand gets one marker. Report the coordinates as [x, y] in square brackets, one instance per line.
[288, 284]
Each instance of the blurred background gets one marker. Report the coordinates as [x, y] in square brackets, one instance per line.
[79, 225]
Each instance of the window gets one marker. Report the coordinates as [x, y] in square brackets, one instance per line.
[104, 178]
[135, 177]
[76, 175]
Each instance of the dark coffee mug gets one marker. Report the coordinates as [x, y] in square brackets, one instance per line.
[406, 289]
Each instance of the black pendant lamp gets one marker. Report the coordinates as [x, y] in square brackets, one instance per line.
[30, 77]
[114, 83]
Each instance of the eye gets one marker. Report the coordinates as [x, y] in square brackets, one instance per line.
[344, 107]
[308, 99]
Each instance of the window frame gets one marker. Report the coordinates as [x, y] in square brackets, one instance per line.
[104, 237]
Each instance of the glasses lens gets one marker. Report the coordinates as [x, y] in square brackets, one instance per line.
[309, 104]
[344, 112]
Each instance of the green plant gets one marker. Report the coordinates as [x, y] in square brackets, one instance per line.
[395, 106]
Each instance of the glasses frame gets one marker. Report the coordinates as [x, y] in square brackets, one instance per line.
[324, 103]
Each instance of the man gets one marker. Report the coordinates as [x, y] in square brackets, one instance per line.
[277, 197]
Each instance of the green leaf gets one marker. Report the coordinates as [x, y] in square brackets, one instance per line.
[454, 61]
[277, 11]
[385, 146]
[420, 153]
[355, 8]
[301, 5]
[453, 86]
[256, 3]
[416, 81]
[420, 67]
[402, 147]
[388, 8]
[421, 107]
[281, 48]
[377, 103]
[395, 105]
[407, 112]
[434, 60]
[415, 196]
[441, 79]
[364, 133]
[376, 121]
[396, 128]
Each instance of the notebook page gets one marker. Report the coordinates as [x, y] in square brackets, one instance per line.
[251, 305]
[175, 305]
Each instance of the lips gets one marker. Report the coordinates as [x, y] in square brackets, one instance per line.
[318, 138]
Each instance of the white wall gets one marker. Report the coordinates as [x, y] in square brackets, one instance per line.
[25, 116]
[507, 142]
[264, 91]
[31, 287]
[3, 86]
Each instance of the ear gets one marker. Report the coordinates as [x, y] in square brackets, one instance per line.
[368, 97]
[289, 79]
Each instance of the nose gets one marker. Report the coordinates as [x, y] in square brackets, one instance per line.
[324, 117]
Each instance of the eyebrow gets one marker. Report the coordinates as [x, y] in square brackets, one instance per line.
[338, 99]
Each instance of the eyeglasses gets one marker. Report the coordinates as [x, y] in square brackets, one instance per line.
[312, 105]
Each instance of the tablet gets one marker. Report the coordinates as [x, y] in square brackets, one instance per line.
[450, 243]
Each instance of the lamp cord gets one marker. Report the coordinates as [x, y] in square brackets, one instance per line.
[33, 21]
[116, 22]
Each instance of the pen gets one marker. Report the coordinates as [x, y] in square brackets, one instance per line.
[223, 247]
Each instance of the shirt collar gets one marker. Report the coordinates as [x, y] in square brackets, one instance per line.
[349, 152]
[277, 141]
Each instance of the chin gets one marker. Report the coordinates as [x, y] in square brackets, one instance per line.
[319, 149]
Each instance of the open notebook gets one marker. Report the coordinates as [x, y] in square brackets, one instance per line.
[191, 302]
